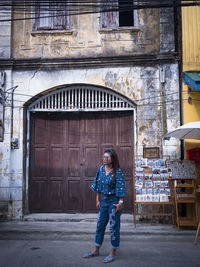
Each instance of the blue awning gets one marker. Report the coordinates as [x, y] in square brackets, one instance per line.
[192, 78]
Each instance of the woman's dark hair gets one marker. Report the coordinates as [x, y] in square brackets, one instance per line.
[115, 161]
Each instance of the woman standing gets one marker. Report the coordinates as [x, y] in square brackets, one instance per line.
[109, 185]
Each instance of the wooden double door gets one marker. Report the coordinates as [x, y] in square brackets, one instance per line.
[65, 152]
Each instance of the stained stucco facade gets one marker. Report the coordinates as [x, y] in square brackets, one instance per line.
[139, 63]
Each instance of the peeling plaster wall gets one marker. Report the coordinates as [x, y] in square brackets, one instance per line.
[5, 32]
[10, 167]
[167, 30]
[86, 38]
[157, 104]
[5, 53]
[10, 163]
[140, 84]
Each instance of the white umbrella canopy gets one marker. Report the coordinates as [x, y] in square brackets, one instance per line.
[189, 130]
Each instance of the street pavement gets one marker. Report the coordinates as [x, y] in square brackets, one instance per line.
[61, 240]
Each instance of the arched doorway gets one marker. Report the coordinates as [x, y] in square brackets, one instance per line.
[69, 130]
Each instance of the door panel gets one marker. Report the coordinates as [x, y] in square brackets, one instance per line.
[55, 195]
[74, 196]
[73, 162]
[91, 130]
[108, 127]
[89, 203]
[56, 132]
[40, 157]
[128, 203]
[56, 162]
[66, 150]
[40, 132]
[74, 129]
[125, 124]
[37, 198]
[91, 159]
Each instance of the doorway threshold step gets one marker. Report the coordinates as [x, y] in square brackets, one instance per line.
[69, 217]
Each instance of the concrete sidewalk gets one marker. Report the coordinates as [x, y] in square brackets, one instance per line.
[65, 226]
[60, 240]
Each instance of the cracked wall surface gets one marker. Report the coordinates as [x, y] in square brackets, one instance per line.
[139, 84]
[153, 34]
[5, 32]
[86, 38]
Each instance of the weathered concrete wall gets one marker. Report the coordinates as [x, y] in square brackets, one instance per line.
[10, 184]
[85, 38]
[5, 32]
[157, 103]
[140, 84]
[5, 53]
[167, 30]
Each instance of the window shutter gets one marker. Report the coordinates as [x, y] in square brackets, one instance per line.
[60, 20]
[109, 19]
[42, 13]
[55, 15]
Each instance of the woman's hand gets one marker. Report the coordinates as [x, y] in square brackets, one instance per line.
[118, 206]
[98, 204]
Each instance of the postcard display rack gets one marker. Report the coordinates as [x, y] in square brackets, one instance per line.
[152, 186]
[184, 178]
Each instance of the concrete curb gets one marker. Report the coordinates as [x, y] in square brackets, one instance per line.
[83, 226]
[88, 228]
[191, 233]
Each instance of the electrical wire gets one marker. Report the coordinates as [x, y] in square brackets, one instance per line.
[141, 99]
[17, 5]
[137, 100]
[159, 95]
[82, 5]
[146, 104]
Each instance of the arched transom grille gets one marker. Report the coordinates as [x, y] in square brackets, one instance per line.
[81, 98]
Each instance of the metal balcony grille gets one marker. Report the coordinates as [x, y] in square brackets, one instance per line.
[81, 98]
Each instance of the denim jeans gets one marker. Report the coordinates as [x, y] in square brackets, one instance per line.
[107, 213]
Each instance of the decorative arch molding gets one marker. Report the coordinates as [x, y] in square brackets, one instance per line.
[81, 98]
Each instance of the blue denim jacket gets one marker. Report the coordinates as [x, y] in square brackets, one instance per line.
[106, 185]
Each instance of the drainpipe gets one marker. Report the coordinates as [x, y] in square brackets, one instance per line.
[163, 106]
[178, 48]
[14, 141]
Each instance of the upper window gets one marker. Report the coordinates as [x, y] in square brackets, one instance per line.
[121, 14]
[51, 15]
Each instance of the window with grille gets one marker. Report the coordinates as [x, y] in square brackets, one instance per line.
[121, 14]
[52, 15]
